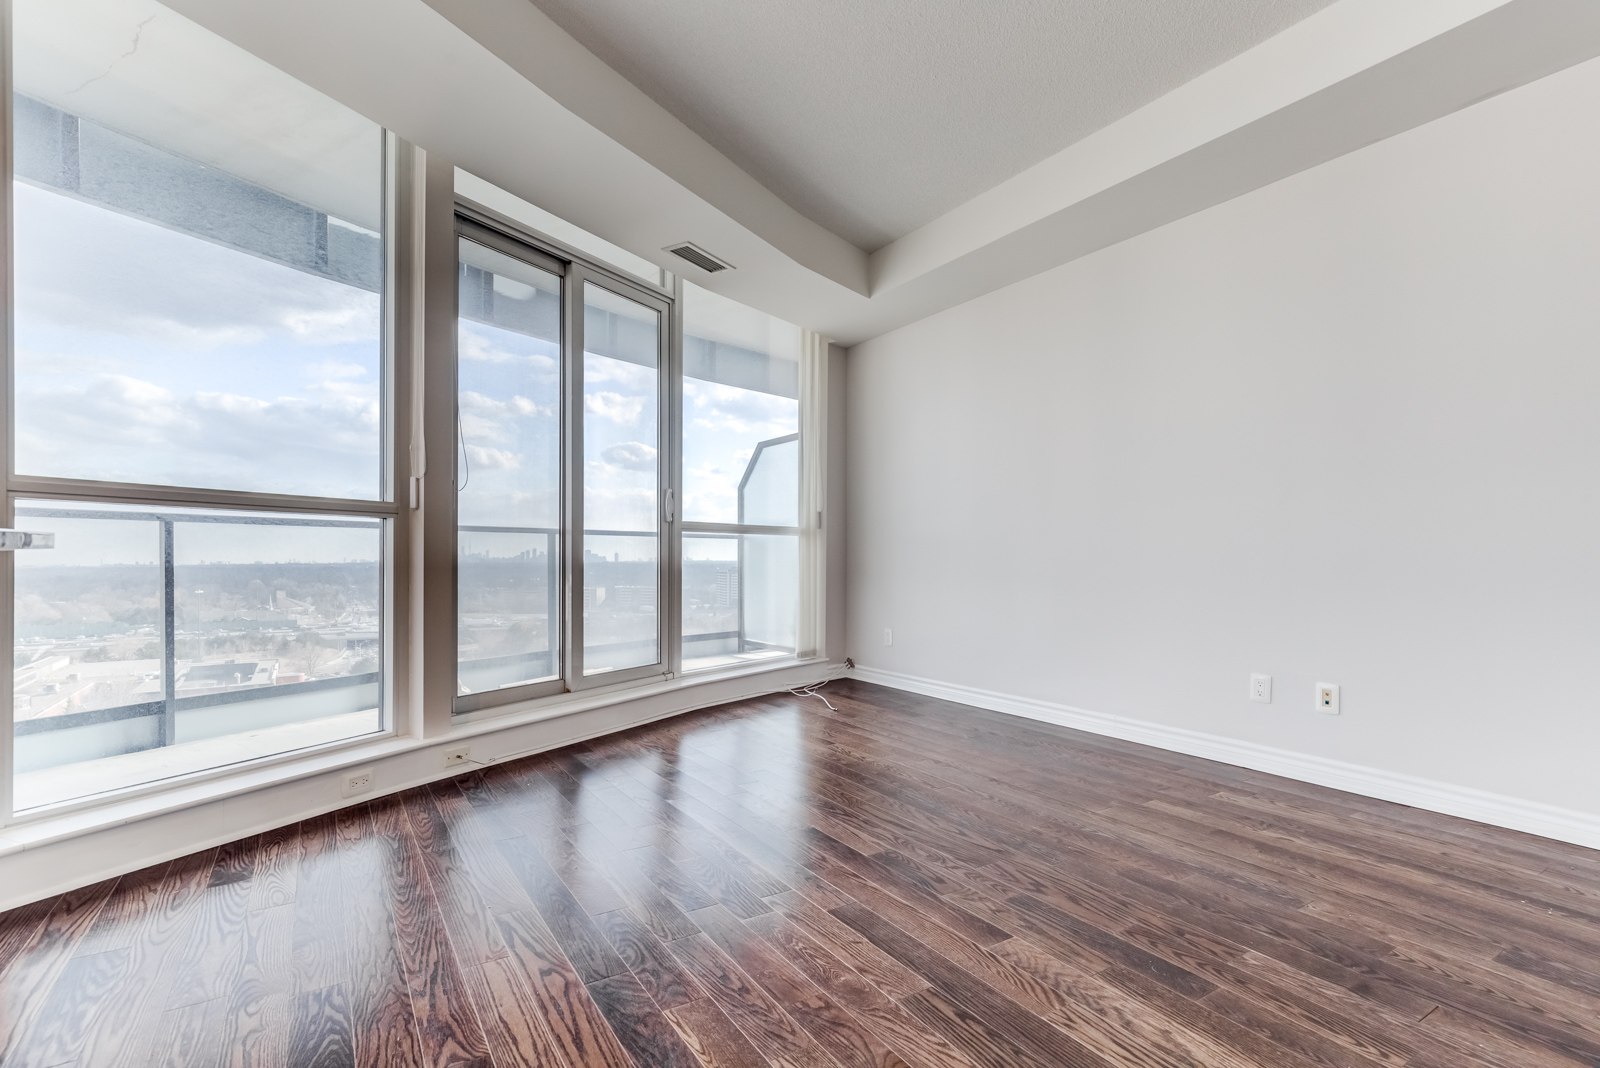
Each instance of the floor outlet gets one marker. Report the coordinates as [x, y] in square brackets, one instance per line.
[356, 782]
[461, 754]
[1261, 688]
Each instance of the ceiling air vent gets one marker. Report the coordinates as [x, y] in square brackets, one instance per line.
[687, 250]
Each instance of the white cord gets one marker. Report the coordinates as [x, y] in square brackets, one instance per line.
[811, 691]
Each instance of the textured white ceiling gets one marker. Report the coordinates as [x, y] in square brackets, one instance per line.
[874, 116]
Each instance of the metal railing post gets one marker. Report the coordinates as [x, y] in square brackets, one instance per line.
[552, 594]
[169, 638]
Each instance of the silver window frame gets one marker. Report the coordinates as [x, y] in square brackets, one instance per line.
[484, 226]
[467, 228]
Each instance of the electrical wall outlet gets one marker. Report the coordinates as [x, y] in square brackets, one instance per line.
[457, 754]
[1261, 688]
[1328, 698]
[356, 782]
[888, 636]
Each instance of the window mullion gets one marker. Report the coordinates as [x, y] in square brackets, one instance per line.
[180, 496]
[433, 553]
[669, 594]
[7, 438]
[572, 476]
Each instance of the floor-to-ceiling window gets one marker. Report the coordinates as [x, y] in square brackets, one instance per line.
[197, 409]
[223, 297]
[741, 482]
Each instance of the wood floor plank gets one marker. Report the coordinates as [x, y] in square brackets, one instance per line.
[449, 1031]
[385, 1028]
[216, 931]
[58, 1033]
[188, 1037]
[277, 867]
[816, 1011]
[711, 1036]
[771, 1030]
[18, 928]
[455, 885]
[26, 984]
[321, 1030]
[576, 1025]
[322, 948]
[639, 1024]
[1020, 1027]
[876, 966]
[258, 990]
[590, 954]
[872, 1006]
[121, 1036]
[648, 959]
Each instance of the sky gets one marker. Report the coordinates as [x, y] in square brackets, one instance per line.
[145, 355]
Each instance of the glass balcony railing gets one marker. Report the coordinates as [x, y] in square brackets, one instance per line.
[194, 637]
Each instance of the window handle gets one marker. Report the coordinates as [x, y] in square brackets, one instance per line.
[668, 505]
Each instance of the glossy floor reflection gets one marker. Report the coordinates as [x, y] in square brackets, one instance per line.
[901, 882]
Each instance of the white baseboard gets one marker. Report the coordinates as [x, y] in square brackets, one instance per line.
[1498, 810]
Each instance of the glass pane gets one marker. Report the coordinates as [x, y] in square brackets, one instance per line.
[741, 464]
[275, 642]
[740, 597]
[621, 479]
[508, 587]
[198, 260]
[741, 392]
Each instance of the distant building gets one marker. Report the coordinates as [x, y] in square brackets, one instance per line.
[727, 595]
[635, 598]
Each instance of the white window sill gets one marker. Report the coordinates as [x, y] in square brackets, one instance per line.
[45, 827]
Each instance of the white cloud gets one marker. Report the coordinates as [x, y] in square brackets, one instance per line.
[478, 344]
[619, 507]
[624, 411]
[473, 401]
[352, 319]
[502, 459]
[742, 411]
[331, 370]
[524, 406]
[126, 429]
[631, 455]
[634, 377]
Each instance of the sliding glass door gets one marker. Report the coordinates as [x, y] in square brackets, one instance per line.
[623, 358]
[508, 469]
[561, 473]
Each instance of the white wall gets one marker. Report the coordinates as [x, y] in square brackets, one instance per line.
[1344, 428]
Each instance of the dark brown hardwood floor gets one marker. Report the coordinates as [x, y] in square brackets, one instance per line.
[901, 882]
